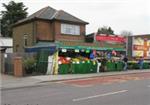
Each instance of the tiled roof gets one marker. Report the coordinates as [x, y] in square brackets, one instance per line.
[49, 13]
[62, 15]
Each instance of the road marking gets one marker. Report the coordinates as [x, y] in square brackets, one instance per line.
[99, 95]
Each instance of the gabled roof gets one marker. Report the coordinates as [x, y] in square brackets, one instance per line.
[62, 15]
[49, 13]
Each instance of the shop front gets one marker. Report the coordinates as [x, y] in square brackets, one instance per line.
[81, 57]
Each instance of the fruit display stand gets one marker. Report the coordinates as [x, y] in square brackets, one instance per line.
[64, 65]
[76, 68]
[84, 67]
[76, 65]
[119, 66]
[93, 68]
[110, 66]
[135, 65]
[63, 68]
[146, 65]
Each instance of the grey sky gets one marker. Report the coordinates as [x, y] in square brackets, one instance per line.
[131, 15]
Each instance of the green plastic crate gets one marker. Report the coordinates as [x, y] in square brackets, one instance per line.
[64, 68]
[119, 66]
[135, 66]
[111, 66]
[146, 66]
[88, 67]
[93, 67]
[76, 68]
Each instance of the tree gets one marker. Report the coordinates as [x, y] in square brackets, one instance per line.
[13, 13]
[126, 33]
[105, 30]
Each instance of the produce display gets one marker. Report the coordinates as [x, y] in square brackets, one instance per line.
[78, 65]
[64, 60]
[134, 64]
[83, 65]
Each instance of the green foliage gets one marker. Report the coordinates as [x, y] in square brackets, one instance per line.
[29, 64]
[105, 30]
[13, 13]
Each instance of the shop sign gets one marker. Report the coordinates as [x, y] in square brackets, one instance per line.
[87, 51]
[111, 38]
[82, 50]
[77, 50]
[64, 50]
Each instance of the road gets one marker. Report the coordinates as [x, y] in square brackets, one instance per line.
[132, 89]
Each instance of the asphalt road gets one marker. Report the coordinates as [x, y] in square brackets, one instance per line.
[131, 91]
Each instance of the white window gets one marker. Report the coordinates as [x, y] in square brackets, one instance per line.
[70, 29]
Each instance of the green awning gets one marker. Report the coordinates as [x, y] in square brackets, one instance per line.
[91, 48]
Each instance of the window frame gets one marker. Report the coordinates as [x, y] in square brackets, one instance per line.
[72, 29]
[25, 39]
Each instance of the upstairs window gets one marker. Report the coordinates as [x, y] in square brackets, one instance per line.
[70, 29]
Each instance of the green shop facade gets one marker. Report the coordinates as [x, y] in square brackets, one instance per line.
[83, 49]
[80, 50]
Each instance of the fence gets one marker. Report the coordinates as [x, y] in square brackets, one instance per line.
[33, 63]
[42, 61]
[9, 61]
[1, 62]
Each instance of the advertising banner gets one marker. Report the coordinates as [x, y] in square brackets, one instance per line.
[111, 38]
[141, 47]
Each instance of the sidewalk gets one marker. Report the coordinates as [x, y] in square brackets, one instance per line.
[11, 82]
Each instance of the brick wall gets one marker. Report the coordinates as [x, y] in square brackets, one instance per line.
[61, 37]
[18, 36]
[41, 30]
[44, 30]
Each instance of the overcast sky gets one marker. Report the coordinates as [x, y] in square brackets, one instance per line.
[130, 15]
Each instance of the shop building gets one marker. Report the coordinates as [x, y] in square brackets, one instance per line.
[47, 25]
[56, 30]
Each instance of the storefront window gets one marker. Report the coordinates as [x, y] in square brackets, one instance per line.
[70, 29]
